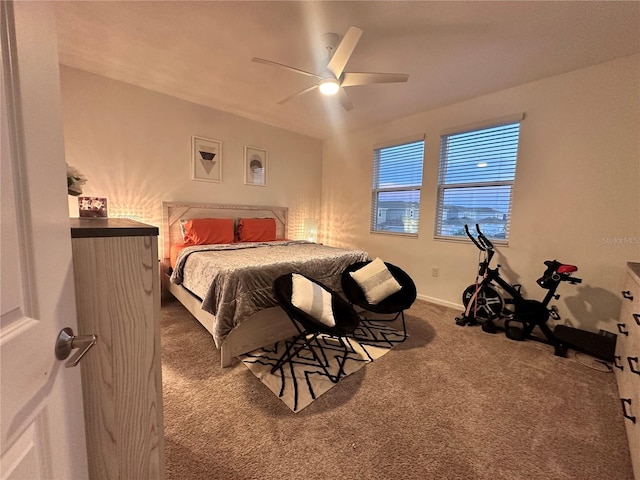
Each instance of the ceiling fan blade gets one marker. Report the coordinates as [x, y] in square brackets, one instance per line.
[344, 100]
[312, 87]
[352, 79]
[344, 50]
[287, 67]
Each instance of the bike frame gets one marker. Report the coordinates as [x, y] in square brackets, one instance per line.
[529, 313]
[489, 275]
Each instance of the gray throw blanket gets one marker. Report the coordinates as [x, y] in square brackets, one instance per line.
[234, 281]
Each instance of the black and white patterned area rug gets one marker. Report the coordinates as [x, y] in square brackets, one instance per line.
[302, 381]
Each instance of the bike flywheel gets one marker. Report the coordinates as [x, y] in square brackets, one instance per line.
[486, 304]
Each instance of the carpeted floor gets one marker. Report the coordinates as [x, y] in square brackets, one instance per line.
[449, 403]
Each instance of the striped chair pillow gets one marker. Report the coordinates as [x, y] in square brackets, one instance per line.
[312, 299]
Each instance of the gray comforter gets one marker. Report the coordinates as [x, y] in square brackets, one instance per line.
[234, 281]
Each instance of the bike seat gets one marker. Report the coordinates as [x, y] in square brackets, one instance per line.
[567, 268]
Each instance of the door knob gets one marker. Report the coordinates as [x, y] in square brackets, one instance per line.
[67, 342]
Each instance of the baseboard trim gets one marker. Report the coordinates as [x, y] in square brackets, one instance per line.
[443, 303]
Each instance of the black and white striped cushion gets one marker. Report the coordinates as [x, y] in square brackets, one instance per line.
[312, 299]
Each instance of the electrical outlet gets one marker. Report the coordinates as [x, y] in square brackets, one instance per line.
[435, 271]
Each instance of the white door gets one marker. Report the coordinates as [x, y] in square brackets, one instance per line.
[41, 417]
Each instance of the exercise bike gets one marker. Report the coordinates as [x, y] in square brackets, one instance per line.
[486, 306]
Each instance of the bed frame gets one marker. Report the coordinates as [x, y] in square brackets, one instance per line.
[262, 328]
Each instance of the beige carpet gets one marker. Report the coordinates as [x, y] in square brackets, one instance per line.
[449, 403]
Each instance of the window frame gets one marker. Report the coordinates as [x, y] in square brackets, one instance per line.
[376, 189]
[443, 187]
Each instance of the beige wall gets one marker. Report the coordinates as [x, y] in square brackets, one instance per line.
[134, 146]
[576, 197]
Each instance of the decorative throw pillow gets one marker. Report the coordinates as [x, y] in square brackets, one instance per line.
[257, 229]
[376, 281]
[206, 231]
[312, 299]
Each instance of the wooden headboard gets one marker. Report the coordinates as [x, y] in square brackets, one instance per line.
[173, 212]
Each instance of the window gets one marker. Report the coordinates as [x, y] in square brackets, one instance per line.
[477, 171]
[397, 180]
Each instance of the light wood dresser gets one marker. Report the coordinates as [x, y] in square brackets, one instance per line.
[627, 361]
[115, 265]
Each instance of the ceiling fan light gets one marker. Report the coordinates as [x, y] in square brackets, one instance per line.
[329, 86]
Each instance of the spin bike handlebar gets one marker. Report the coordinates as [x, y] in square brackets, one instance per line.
[484, 240]
[466, 229]
[483, 243]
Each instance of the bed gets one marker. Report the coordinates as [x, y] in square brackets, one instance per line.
[238, 309]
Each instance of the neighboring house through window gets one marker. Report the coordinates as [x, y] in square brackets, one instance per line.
[476, 177]
[397, 181]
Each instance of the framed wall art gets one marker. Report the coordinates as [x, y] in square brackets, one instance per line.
[206, 159]
[255, 166]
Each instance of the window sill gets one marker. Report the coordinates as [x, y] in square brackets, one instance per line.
[496, 242]
[394, 234]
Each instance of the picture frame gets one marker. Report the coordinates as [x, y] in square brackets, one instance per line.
[92, 207]
[206, 159]
[255, 166]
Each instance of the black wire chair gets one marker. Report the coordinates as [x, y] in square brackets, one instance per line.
[346, 320]
[395, 303]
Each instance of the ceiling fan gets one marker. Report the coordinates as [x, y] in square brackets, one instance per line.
[335, 79]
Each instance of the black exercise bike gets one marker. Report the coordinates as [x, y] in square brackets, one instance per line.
[485, 305]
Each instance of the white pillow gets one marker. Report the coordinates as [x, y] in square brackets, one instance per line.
[312, 299]
[182, 222]
[376, 281]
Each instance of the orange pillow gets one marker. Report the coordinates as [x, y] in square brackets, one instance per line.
[174, 252]
[205, 231]
[257, 229]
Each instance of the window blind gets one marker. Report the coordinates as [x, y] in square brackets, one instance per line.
[475, 181]
[397, 181]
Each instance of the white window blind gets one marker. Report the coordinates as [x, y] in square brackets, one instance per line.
[475, 182]
[397, 181]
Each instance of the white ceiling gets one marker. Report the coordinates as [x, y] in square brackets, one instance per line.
[201, 51]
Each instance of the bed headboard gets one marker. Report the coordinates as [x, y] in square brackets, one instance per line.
[173, 212]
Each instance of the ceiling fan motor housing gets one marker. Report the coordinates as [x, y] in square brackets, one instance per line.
[330, 42]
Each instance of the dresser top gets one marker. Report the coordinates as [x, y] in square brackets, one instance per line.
[110, 227]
